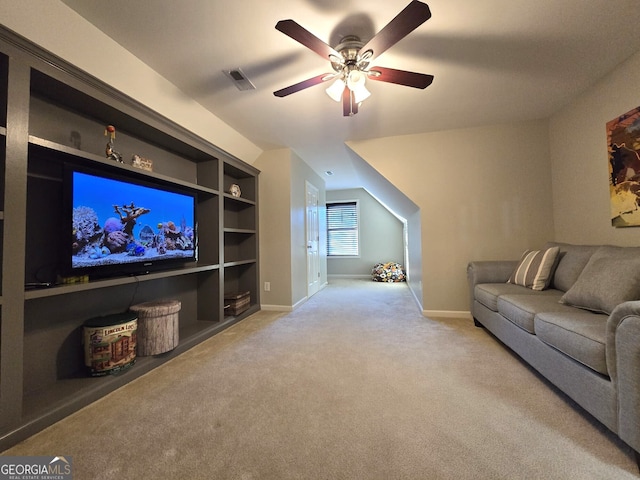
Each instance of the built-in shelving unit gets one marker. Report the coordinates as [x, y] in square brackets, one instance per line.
[240, 220]
[52, 115]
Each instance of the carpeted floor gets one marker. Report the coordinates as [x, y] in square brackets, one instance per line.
[355, 384]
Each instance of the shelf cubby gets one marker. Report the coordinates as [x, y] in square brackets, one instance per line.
[242, 277]
[239, 246]
[239, 214]
[244, 179]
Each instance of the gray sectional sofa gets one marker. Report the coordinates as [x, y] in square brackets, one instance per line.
[580, 327]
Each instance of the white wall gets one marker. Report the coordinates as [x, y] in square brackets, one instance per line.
[414, 265]
[60, 30]
[274, 223]
[283, 230]
[579, 159]
[483, 193]
[381, 235]
[301, 173]
[393, 198]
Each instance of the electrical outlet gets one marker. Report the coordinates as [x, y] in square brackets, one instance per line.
[267, 286]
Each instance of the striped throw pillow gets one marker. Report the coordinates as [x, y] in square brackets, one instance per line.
[535, 268]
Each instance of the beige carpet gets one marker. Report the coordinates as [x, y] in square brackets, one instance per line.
[355, 384]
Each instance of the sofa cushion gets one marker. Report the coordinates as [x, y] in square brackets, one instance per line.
[521, 309]
[611, 277]
[578, 334]
[487, 293]
[571, 261]
[535, 268]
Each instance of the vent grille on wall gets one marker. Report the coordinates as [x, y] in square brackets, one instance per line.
[239, 79]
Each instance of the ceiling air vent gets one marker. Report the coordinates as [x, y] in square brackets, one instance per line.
[239, 79]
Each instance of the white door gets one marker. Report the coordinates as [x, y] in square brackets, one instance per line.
[313, 237]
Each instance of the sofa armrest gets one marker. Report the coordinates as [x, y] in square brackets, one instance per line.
[488, 271]
[623, 363]
[491, 271]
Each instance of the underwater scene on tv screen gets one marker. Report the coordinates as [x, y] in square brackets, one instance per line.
[116, 222]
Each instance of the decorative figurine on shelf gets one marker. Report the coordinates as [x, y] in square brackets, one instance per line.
[112, 154]
[141, 162]
[234, 190]
[75, 139]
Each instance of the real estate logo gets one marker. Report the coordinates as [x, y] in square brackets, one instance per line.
[36, 468]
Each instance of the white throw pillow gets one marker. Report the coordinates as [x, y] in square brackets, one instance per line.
[535, 268]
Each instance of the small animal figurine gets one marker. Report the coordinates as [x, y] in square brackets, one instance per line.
[112, 154]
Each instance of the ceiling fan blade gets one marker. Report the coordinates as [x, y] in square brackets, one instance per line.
[304, 84]
[349, 105]
[306, 38]
[414, 15]
[400, 77]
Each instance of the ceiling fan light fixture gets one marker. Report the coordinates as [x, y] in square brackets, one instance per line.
[360, 94]
[335, 90]
[355, 79]
[356, 83]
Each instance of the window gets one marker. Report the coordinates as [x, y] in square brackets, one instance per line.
[342, 229]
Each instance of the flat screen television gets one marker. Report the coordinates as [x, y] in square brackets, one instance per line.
[121, 225]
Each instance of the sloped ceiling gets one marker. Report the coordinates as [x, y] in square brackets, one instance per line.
[494, 61]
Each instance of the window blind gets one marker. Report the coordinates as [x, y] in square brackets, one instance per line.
[342, 229]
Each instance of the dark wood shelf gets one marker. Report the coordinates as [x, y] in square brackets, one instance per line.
[246, 231]
[240, 263]
[253, 308]
[112, 282]
[74, 155]
[239, 200]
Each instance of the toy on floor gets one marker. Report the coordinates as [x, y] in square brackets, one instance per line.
[388, 272]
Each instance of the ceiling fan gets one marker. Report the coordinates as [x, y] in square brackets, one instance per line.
[350, 59]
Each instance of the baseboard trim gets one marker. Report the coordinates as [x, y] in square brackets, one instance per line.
[283, 308]
[415, 297]
[300, 302]
[276, 308]
[347, 275]
[447, 314]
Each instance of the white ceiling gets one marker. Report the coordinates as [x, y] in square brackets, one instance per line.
[494, 61]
